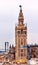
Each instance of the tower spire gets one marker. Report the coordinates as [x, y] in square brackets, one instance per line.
[20, 17]
[20, 7]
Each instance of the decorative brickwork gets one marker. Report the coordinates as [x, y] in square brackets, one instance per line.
[21, 37]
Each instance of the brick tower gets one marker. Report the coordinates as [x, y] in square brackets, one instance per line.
[21, 37]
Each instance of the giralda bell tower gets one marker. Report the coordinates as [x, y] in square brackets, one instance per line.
[21, 37]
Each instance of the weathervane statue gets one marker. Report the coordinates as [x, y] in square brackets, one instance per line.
[20, 6]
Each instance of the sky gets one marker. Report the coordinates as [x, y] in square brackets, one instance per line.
[9, 11]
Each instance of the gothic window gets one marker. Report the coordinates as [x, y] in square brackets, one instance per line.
[18, 32]
[25, 32]
[25, 28]
[21, 31]
[21, 41]
[21, 54]
[21, 50]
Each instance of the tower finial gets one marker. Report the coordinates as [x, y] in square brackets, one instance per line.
[21, 17]
[20, 6]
